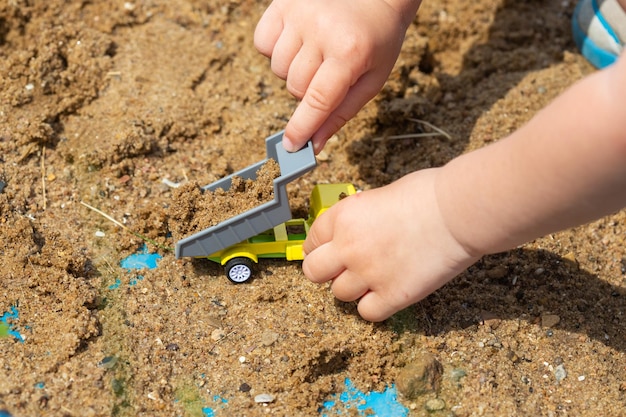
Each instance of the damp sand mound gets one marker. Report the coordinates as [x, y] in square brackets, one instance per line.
[194, 209]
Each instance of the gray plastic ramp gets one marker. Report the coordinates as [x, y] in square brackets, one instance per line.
[260, 218]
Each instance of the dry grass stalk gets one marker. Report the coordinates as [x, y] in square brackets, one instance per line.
[437, 132]
[111, 219]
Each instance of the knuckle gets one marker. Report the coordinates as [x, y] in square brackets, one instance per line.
[294, 90]
[318, 100]
[279, 67]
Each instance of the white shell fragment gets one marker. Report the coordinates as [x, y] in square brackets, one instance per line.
[264, 398]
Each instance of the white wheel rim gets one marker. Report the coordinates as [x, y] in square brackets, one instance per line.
[239, 273]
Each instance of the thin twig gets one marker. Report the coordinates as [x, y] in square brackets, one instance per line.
[406, 136]
[140, 236]
[437, 132]
[106, 216]
[218, 341]
[433, 127]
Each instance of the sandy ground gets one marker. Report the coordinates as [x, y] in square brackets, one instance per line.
[101, 101]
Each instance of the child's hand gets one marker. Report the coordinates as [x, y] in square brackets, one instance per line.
[335, 55]
[388, 247]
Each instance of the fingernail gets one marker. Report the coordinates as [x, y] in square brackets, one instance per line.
[288, 145]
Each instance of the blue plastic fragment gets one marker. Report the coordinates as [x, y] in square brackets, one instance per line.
[141, 260]
[116, 285]
[210, 412]
[380, 403]
[137, 261]
[12, 314]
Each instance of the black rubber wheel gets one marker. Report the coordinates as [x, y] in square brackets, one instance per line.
[239, 270]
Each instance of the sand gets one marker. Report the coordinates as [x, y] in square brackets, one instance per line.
[193, 208]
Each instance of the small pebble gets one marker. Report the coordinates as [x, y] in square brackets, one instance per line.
[264, 398]
[550, 320]
[457, 373]
[217, 334]
[100, 233]
[436, 404]
[323, 156]
[420, 376]
[108, 362]
[245, 387]
[560, 373]
[269, 338]
[571, 257]
[581, 378]
[2, 185]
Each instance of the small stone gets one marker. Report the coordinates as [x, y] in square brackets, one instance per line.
[263, 398]
[323, 156]
[245, 387]
[172, 347]
[513, 357]
[436, 404]
[2, 186]
[581, 378]
[100, 233]
[217, 334]
[108, 362]
[560, 373]
[571, 258]
[269, 338]
[457, 373]
[490, 319]
[419, 377]
[550, 320]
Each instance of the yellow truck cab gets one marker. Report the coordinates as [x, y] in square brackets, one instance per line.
[282, 241]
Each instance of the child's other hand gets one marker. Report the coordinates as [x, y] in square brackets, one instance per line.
[335, 56]
[388, 247]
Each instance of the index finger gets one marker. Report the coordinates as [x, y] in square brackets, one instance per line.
[327, 90]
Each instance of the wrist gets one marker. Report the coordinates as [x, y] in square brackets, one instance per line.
[406, 9]
[453, 207]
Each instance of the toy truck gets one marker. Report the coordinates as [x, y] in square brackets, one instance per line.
[268, 230]
[282, 241]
